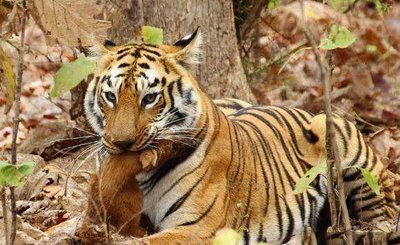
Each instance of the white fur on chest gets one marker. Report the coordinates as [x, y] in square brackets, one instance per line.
[155, 204]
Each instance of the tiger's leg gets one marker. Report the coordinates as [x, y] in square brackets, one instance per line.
[366, 206]
[179, 235]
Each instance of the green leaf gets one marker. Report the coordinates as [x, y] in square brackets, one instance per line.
[341, 5]
[273, 4]
[226, 236]
[305, 181]
[371, 48]
[2, 180]
[12, 175]
[7, 76]
[71, 74]
[26, 168]
[339, 37]
[152, 35]
[371, 180]
[379, 7]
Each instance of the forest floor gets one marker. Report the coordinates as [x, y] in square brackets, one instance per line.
[366, 90]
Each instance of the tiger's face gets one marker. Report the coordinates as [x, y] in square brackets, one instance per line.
[142, 94]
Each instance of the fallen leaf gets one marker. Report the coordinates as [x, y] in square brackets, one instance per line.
[70, 22]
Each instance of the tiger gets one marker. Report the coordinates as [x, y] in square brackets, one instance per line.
[235, 170]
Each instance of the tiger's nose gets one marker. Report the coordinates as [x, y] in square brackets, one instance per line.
[123, 145]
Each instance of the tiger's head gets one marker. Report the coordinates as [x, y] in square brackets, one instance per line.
[142, 94]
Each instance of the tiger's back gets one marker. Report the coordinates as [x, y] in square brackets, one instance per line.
[284, 143]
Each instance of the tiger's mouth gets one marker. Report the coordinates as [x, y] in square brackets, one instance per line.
[144, 141]
[110, 147]
[148, 137]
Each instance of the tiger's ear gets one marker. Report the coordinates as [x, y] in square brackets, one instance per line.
[96, 51]
[187, 51]
[99, 53]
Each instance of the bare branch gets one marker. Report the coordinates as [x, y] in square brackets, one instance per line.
[20, 70]
[5, 214]
[331, 146]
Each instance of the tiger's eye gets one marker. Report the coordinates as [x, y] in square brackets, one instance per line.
[110, 96]
[149, 98]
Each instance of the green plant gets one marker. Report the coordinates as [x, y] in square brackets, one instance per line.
[304, 182]
[12, 175]
[339, 37]
[152, 35]
[71, 74]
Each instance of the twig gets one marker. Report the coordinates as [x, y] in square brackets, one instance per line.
[252, 17]
[5, 214]
[20, 70]
[350, 7]
[331, 161]
[331, 146]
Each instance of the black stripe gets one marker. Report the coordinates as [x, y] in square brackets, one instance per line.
[282, 141]
[360, 196]
[266, 148]
[225, 105]
[179, 85]
[136, 54]
[291, 132]
[302, 112]
[165, 68]
[310, 136]
[238, 150]
[109, 82]
[246, 236]
[260, 237]
[300, 204]
[167, 167]
[375, 215]
[343, 138]
[149, 57]
[347, 126]
[122, 65]
[354, 161]
[372, 205]
[149, 45]
[188, 97]
[291, 223]
[120, 75]
[179, 180]
[151, 51]
[299, 113]
[178, 203]
[202, 215]
[144, 75]
[155, 83]
[171, 96]
[249, 192]
[311, 202]
[123, 50]
[121, 56]
[144, 65]
[245, 156]
[163, 81]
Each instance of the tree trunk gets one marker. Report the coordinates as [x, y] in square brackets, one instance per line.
[221, 73]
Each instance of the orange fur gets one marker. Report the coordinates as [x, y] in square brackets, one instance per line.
[115, 190]
[119, 193]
